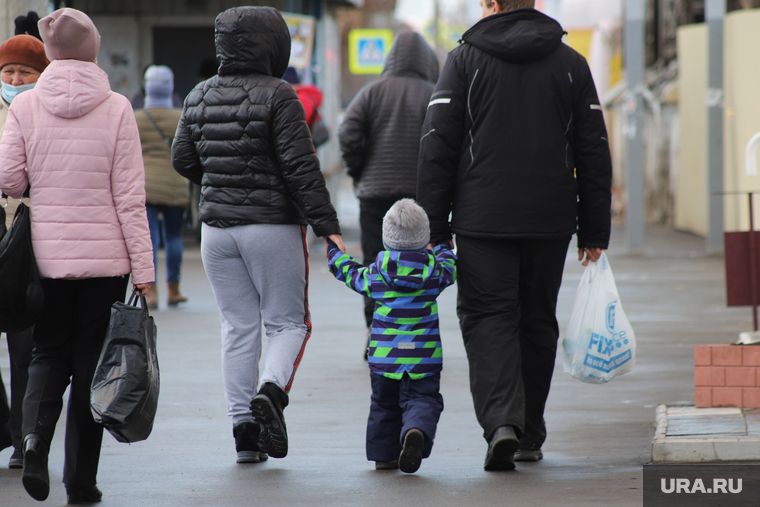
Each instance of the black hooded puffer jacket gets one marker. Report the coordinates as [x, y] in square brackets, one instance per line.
[243, 134]
[380, 133]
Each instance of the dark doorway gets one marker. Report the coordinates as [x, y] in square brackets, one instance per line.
[183, 49]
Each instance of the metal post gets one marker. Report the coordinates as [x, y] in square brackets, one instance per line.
[295, 6]
[634, 130]
[437, 28]
[752, 263]
[715, 14]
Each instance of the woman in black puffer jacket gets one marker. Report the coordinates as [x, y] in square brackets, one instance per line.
[243, 137]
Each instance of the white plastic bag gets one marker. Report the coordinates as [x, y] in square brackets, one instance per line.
[599, 343]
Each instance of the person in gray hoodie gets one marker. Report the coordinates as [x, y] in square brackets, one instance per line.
[380, 138]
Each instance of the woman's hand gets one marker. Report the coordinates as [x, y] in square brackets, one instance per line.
[592, 254]
[144, 288]
[335, 238]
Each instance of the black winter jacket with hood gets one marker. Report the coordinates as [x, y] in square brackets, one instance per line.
[514, 142]
[243, 133]
[380, 133]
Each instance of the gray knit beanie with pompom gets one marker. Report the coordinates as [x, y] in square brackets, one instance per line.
[406, 227]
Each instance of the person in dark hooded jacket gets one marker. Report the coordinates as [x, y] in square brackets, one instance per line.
[243, 137]
[379, 138]
[515, 148]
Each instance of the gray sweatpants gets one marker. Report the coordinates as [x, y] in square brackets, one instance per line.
[259, 274]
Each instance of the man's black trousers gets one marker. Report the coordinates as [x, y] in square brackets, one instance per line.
[507, 312]
[67, 342]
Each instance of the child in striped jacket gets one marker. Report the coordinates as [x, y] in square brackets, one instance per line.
[405, 354]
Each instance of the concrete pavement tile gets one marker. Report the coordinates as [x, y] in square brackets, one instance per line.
[599, 435]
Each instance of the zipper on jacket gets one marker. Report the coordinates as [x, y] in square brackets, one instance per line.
[472, 121]
[567, 143]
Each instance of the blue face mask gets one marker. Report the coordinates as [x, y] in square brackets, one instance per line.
[9, 91]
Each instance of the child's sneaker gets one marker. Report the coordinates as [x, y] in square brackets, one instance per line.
[411, 455]
[386, 465]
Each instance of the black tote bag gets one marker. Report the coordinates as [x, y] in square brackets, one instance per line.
[124, 392]
[21, 294]
[319, 132]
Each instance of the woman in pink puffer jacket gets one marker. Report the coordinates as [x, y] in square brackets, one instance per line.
[76, 143]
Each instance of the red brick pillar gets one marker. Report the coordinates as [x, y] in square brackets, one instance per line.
[726, 375]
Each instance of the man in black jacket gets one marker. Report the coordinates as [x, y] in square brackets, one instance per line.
[515, 148]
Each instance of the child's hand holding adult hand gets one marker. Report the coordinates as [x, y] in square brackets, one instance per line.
[449, 244]
[332, 242]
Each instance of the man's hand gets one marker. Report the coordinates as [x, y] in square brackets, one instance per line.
[335, 238]
[592, 254]
[433, 245]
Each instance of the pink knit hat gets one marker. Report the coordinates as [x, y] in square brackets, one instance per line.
[69, 34]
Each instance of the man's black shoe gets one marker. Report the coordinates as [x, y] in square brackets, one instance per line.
[5, 437]
[247, 443]
[267, 409]
[411, 454]
[17, 459]
[89, 494]
[35, 476]
[528, 455]
[501, 450]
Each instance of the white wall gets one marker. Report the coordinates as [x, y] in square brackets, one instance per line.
[742, 113]
[126, 46]
[691, 178]
[119, 53]
[580, 14]
[742, 121]
[9, 9]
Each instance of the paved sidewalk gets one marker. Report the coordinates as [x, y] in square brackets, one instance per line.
[688, 433]
[599, 435]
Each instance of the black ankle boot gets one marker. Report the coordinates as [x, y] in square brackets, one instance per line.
[247, 443]
[5, 437]
[411, 454]
[90, 494]
[267, 407]
[501, 449]
[35, 476]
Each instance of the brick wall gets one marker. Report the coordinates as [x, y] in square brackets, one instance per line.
[727, 375]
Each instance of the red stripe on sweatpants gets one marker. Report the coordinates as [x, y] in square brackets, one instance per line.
[305, 307]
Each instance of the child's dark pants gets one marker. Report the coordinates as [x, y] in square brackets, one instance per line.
[398, 406]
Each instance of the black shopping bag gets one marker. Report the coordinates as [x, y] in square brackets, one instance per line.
[21, 294]
[124, 393]
[319, 132]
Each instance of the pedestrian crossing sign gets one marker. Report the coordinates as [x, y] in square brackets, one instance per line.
[367, 49]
